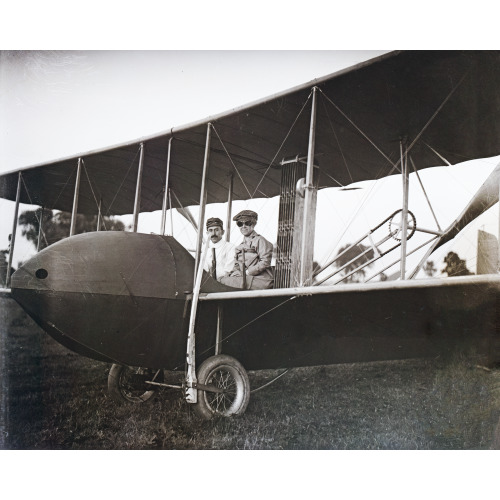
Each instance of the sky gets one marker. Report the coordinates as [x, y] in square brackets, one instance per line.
[61, 103]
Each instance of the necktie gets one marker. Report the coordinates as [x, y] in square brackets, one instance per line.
[214, 265]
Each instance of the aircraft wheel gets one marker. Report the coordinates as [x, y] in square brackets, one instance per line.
[227, 373]
[129, 384]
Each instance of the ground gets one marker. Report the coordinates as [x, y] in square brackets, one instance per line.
[54, 399]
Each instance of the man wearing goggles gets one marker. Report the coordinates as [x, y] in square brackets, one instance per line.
[252, 267]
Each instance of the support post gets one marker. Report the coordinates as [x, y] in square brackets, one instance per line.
[229, 206]
[75, 198]
[166, 192]
[99, 215]
[14, 229]
[218, 335]
[404, 215]
[137, 202]
[171, 214]
[40, 229]
[191, 393]
[203, 196]
[307, 237]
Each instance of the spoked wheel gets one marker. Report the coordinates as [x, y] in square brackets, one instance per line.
[228, 376]
[129, 384]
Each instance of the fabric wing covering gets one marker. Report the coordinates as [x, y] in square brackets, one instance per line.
[449, 101]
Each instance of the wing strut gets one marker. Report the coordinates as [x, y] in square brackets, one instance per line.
[75, 197]
[166, 193]
[99, 215]
[191, 392]
[14, 229]
[404, 217]
[137, 202]
[229, 206]
[40, 222]
[171, 213]
[203, 196]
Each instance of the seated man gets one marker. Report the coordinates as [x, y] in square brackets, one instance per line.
[221, 252]
[252, 268]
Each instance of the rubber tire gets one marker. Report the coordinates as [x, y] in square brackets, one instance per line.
[209, 373]
[120, 393]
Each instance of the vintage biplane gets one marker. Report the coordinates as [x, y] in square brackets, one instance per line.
[143, 302]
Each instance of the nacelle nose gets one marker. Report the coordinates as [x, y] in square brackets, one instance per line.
[114, 296]
[116, 263]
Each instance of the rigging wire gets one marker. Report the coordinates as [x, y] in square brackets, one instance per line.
[425, 193]
[437, 154]
[123, 180]
[40, 220]
[63, 188]
[336, 139]
[395, 165]
[283, 142]
[245, 325]
[368, 193]
[431, 119]
[271, 381]
[231, 160]
[358, 129]
[93, 194]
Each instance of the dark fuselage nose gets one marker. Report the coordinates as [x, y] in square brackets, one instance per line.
[113, 296]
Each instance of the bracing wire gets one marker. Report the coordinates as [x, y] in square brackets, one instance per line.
[283, 143]
[425, 193]
[231, 160]
[358, 129]
[245, 325]
[271, 381]
[62, 189]
[92, 190]
[40, 225]
[441, 157]
[395, 165]
[337, 140]
[123, 180]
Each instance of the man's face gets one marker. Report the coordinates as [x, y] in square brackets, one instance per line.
[246, 227]
[215, 233]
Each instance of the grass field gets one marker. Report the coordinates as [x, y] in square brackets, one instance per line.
[54, 399]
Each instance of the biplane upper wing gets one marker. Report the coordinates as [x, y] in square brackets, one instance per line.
[447, 101]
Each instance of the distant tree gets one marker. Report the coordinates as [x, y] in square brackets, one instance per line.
[350, 255]
[430, 268]
[56, 226]
[455, 266]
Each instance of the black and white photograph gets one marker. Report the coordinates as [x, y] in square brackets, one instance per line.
[249, 250]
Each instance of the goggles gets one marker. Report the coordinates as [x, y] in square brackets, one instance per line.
[245, 223]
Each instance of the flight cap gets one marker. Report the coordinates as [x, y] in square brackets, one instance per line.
[214, 221]
[246, 215]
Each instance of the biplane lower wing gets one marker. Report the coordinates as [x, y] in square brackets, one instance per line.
[93, 294]
[352, 323]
